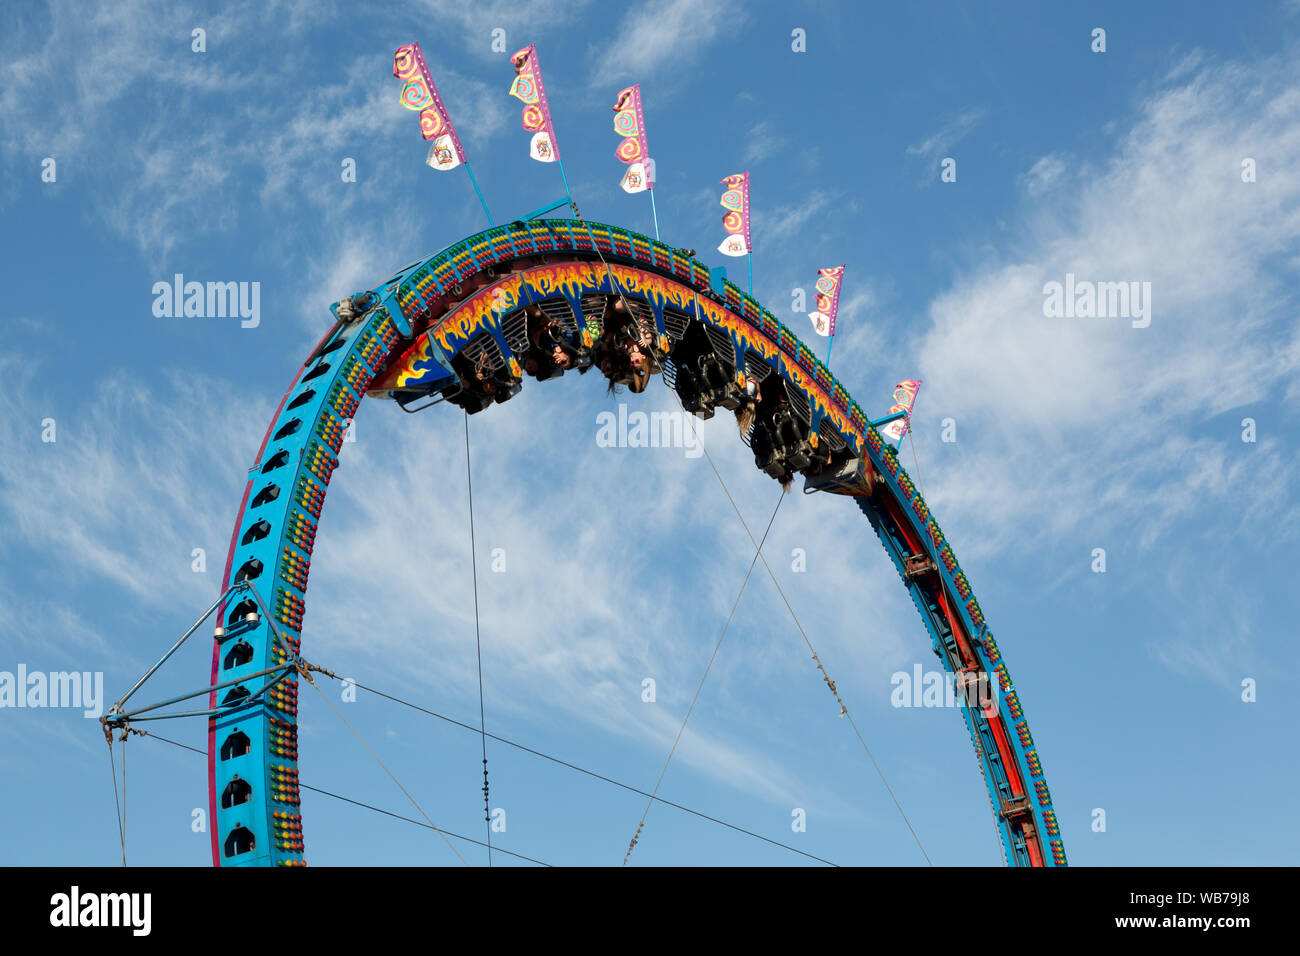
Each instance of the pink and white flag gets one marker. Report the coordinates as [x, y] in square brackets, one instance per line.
[736, 219]
[528, 88]
[904, 399]
[419, 93]
[629, 122]
[828, 300]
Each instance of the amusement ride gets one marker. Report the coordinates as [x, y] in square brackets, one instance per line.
[534, 298]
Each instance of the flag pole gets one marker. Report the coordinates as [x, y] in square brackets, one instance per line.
[828, 350]
[654, 212]
[481, 200]
[567, 191]
[748, 239]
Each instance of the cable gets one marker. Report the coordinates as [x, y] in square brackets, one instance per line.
[386, 770]
[637, 836]
[367, 806]
[117, 805]
[535, 753]
[589, 773]
[911, 435]
[478, 644]
[843, 708]
[398, 816]
[124, 816]
[168, 740]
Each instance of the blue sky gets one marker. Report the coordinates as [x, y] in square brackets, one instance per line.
[621, 564]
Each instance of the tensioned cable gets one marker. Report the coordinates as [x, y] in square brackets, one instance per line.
[386, 770]
[398, 816]
[844, 710]
[358, 803]
[478, 644]
[168, 740]
[125, 818]
[911, 435]
[759, 548]
[117, 805]
[589, 773]
[535, 753]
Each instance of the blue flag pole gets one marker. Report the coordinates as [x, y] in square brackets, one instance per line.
[828, 350]
[654, 212]
[567, 191]
[481, 200]
[750, 257]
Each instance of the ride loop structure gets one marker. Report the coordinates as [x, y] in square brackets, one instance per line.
[460, 327]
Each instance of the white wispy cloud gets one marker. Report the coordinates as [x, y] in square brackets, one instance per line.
[1086, 426]
[63, 70]
[759, 144]
[782, 226]
[1044, 174]
[523, 21]
[128, 515]
[655, 35]
[167, 184]
[940, 143]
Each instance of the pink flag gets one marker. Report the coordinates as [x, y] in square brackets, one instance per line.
[904, 399]
[828, 300]
[629, 122]
[419, 93]
[736, 219]
[528, 88]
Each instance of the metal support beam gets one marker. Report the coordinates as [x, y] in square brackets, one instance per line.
[238, 586]
[543, 210]
[887, 419]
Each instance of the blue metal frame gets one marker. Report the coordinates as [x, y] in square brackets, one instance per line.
[300, 461]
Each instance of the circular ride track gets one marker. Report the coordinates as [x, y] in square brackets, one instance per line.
[455, 327]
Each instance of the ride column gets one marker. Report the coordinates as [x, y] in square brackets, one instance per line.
[253, 789]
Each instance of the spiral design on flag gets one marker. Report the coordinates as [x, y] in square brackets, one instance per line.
[625, 123]
[826, 285]
[732, 199]
[431, 123]
[405, 65]
[533, 119]
[732, 222]
[415, 95]
[629, 150]
[524, 88]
